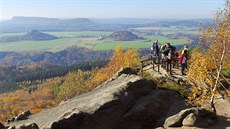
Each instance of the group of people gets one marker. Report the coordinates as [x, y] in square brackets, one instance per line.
[169, 55]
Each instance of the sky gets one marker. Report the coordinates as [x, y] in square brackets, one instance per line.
[157, 9]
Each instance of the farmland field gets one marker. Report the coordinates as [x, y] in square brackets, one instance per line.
[68, 39]
[110, 44]
[80, 33]
[184, 30]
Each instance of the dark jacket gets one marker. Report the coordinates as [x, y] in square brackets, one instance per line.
[155, 49]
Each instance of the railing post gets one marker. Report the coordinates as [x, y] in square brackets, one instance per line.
[158, 63]
[170, 67]
[153, 62]
[141, 68]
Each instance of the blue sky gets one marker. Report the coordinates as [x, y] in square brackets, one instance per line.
[169, 9]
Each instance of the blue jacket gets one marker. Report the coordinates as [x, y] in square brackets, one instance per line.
[155, 49]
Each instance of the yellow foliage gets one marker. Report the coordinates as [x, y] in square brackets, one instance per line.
[120, 58]
[213, 56]
[73, 85]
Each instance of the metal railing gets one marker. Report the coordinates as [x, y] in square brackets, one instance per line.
[156, 60]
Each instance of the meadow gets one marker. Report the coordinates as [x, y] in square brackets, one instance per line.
[68, 39]
[176, 29]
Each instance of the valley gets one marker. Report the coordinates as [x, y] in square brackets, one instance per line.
[88, 39]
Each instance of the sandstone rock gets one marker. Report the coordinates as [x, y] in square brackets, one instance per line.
[127, 101]
[176, 120]
[10, 120]
[125, 70]
[23, 116]
[29, 126]
[26, 113]
[189, 120]
[20, 117]
[11, 127]
[204, 118]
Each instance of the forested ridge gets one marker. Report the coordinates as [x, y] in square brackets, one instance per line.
[69, 56]
[11, 76]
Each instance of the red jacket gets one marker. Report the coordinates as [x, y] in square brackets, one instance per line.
[183, 58]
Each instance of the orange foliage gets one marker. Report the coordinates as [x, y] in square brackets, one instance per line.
[51, 91]
[16, 102]
[121, 58]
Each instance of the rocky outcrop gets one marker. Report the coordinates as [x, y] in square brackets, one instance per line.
[23, 116]
[29, 126]
[123, 36]
[126, 101]
[196, 117]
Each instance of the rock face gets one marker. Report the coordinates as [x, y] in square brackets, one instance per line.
[126, 101]
[196, 117]
[189, 120]
[23, 116]
[29, 126]
[123, 36]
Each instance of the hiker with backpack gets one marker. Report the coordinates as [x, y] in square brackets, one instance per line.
[163, 56]
[162, 50]
[183, 61]
[155, 49]
[169, 53]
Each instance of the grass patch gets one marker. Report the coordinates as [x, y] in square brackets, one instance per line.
[80, 33]
[49, 45]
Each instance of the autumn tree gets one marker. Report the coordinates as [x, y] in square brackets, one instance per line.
[120, 58]
[73, 85]
[212, 57]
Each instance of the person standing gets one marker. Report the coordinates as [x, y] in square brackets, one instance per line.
[155, 48]
[175, 60]
[183, 62]
[185, 48]
[169, 54]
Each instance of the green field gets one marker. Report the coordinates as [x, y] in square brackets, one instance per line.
[110, 44]
[80, 33]
[175, 30]
[67, 34]
[69, 39]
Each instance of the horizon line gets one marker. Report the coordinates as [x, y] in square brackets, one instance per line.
[103, 18]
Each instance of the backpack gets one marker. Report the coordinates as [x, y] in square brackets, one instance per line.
[171, 53]
[162, 48]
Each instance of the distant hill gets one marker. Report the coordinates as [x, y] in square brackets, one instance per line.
[25, 24]
[34, 35]
[123, 36]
